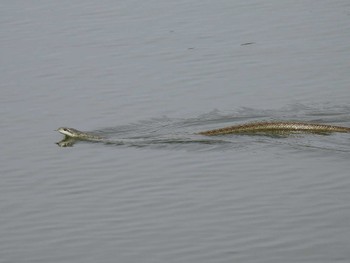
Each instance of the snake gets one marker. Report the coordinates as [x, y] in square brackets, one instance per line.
[264, 127]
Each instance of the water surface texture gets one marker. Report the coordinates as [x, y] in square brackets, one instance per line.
[150, 75]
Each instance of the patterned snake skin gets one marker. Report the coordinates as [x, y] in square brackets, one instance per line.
[276, 127]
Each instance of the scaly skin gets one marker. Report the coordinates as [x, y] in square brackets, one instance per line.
[276, 127]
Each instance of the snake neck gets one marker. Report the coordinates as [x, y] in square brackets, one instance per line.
[76, 134]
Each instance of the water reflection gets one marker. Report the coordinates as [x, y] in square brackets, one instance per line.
[66, 142]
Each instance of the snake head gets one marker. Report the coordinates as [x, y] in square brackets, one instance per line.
[68, 131]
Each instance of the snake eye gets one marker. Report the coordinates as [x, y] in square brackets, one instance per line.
[65, 129]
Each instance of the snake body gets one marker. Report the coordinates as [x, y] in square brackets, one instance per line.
[276, 127]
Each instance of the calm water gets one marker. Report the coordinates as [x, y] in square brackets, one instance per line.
[152, 74]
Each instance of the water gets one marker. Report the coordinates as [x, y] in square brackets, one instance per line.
[153, 74]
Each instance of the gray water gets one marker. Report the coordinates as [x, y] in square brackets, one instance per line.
[152, 74]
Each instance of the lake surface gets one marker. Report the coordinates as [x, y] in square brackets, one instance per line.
[153, 74]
